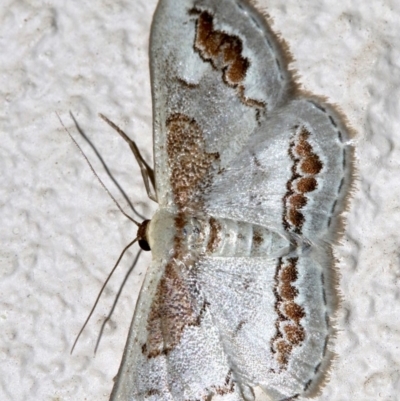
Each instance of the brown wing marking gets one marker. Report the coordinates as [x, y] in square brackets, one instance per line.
[306, 166]
[172, 310]
[224, 52]
[289, 331]
[190, 165]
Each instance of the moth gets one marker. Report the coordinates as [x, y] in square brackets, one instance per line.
[251, 176]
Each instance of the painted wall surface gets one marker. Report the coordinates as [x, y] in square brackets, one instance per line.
[61, 234]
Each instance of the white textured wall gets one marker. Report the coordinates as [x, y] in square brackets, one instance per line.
[60, 233]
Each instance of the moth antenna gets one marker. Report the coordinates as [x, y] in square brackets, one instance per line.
[95, 174]
[107, 170]
[100, 292]
[116, 301]
[146, 170]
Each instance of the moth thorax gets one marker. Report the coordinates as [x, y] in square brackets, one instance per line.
[194, 233]
[161, 234]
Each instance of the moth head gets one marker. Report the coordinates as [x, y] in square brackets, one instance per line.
[142, 236]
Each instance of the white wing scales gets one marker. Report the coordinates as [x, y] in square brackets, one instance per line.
[242, 166]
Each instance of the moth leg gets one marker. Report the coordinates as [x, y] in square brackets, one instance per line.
[146, 170]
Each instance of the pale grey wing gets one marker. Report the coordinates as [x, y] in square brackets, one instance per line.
[292, 176]
[273, 319]
[217, 70]
[173, 351]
